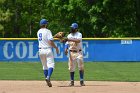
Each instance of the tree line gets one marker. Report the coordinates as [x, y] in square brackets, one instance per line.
[96, 18]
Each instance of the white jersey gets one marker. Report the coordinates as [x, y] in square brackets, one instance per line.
[44, 35]
[73, 45]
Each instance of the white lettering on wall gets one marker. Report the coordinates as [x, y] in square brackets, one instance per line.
[24, 52]
[5, 50]
[126, 41]
[31, 50]
[21, 50]
[85, 47]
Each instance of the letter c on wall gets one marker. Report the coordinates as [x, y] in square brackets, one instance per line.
[6, 50]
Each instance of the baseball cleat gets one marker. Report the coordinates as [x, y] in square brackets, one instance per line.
[82, 83]
[48, 83]
[71, 83]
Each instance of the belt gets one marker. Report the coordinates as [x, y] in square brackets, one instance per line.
[75, 50]
[44, 47]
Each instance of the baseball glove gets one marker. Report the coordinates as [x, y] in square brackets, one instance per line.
[60, 36]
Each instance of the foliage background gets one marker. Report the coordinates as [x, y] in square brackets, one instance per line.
[96, 18]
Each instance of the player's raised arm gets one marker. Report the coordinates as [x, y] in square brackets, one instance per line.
[51, 42]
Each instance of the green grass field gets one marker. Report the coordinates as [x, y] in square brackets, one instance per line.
[97, 71]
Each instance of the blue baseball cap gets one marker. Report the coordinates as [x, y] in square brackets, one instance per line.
[43, 22]
[74, 25]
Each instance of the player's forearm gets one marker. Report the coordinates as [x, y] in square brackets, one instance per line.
[74, 40]
[52, 44]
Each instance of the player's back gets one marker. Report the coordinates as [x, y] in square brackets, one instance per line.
[44, 36]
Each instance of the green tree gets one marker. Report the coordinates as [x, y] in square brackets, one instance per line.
[4, 17]
[65, 12]
[96, 18]
[138, 16]
[114, 18]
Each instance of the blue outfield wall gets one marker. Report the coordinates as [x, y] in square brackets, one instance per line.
[94, 50]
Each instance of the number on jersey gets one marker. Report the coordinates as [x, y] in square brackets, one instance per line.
[40, 37]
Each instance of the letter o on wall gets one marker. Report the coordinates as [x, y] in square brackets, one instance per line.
[19, 53]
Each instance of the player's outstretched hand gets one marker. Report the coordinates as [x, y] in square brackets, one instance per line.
[66, 51]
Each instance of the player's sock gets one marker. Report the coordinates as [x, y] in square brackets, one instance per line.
[45, 73]
[72, 76]
[81, 72]
[50, 70]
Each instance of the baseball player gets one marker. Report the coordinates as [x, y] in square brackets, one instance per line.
[45, 40]
[74, 45]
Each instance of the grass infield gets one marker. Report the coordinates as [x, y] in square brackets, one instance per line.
[97, 71]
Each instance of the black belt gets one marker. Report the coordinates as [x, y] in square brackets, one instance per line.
[44, 47]
[75, 50]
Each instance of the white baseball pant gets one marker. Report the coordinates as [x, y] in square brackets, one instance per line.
[47, 58]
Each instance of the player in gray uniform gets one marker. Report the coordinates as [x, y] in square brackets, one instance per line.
[45, 40]
[74, 45]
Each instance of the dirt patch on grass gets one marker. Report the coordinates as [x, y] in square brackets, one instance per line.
[62, 87]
